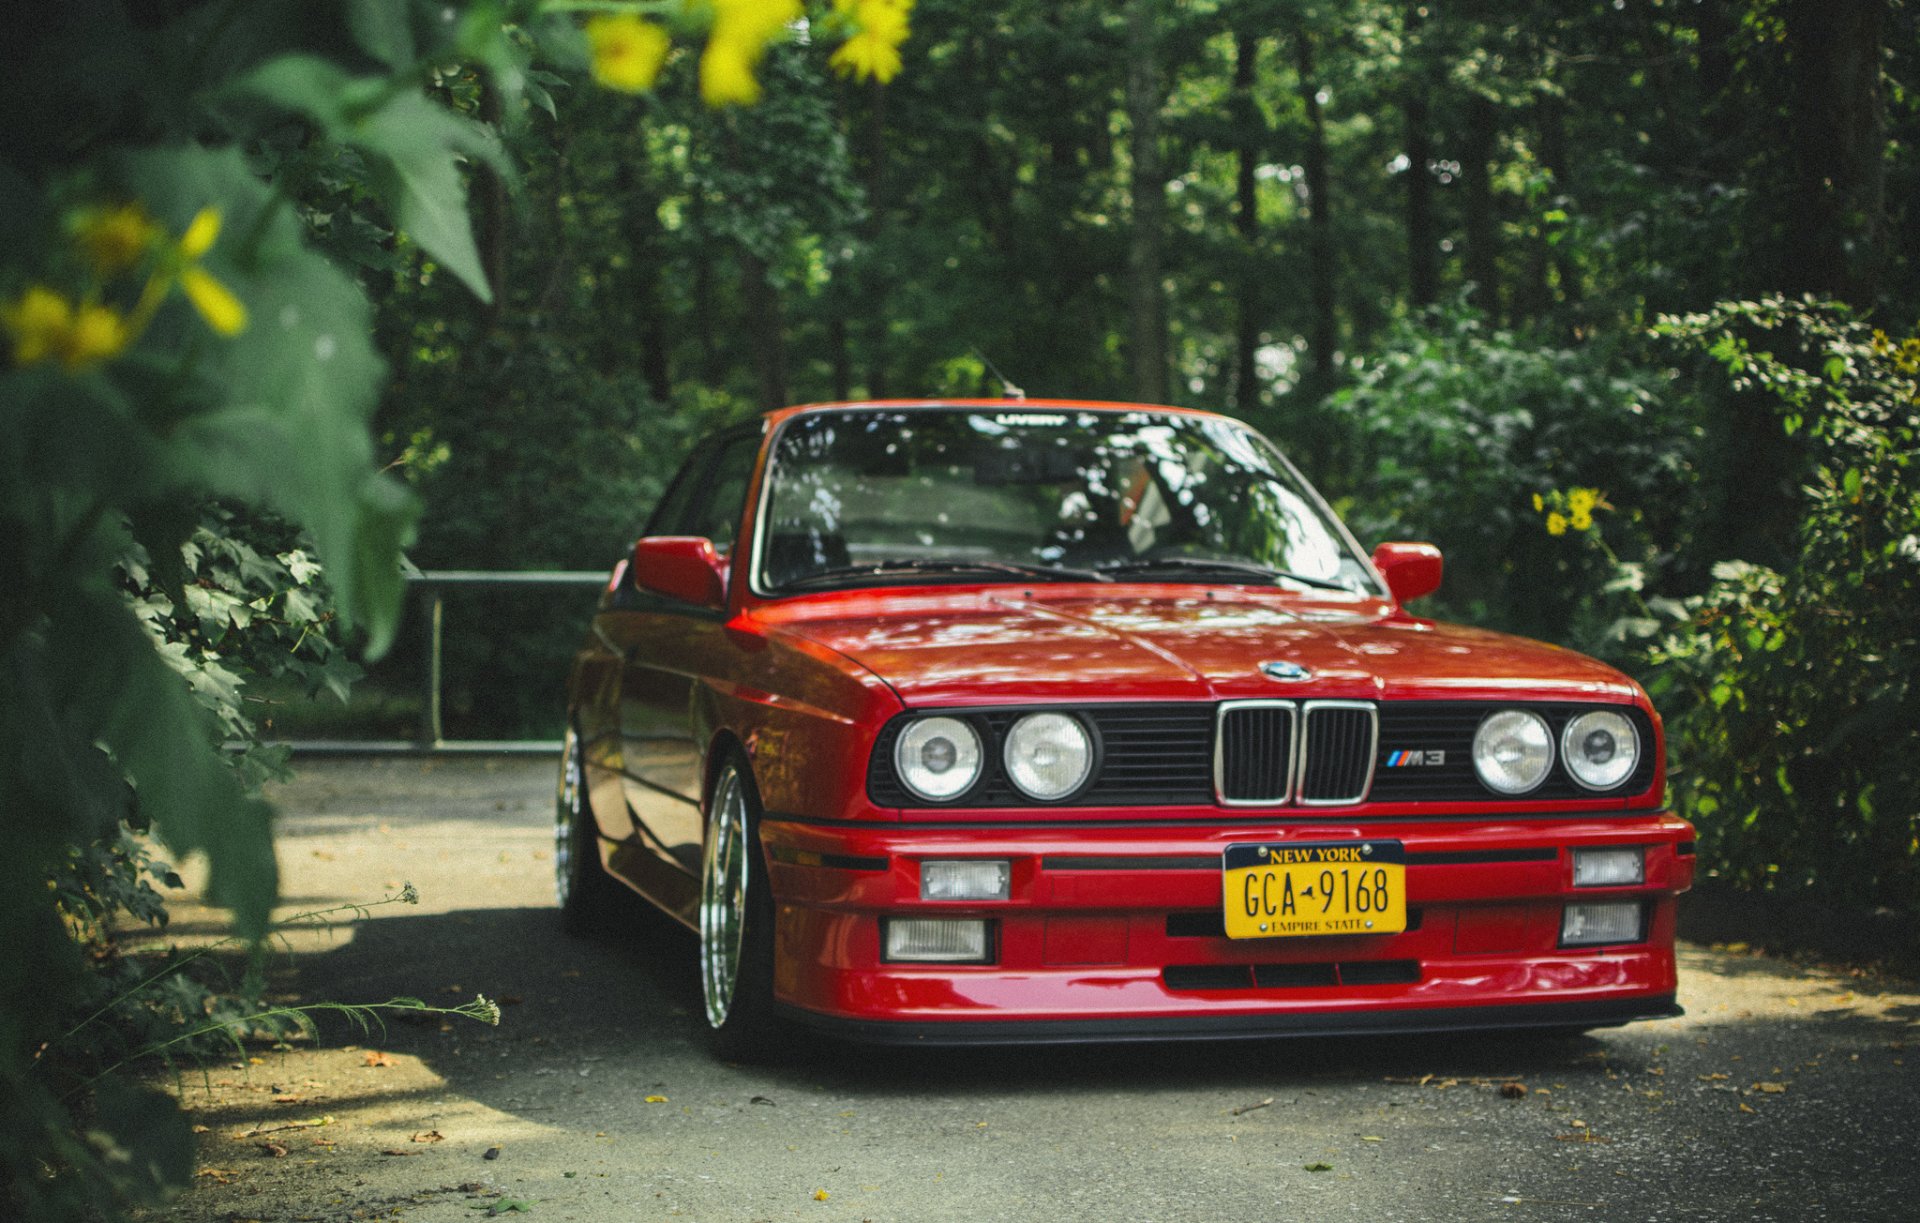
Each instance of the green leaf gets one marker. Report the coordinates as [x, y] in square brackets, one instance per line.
[421, 181]
[382, 30]
[148, 1137]
[115, 684]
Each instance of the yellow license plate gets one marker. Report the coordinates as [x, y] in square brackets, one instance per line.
[1316, 887]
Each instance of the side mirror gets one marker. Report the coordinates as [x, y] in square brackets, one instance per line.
[683, 567]
[1411, 570]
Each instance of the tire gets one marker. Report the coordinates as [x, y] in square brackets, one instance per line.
[736, 923]
[589, 900]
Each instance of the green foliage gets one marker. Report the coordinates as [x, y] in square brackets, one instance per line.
[175, 338]
[1798, 692]
[1455, 426]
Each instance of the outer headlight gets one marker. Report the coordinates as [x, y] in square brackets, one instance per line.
[1600, 749]
[937, 758]
[1512, 751]
[1048, 755]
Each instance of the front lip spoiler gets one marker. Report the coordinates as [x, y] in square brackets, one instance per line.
[1603, 1014]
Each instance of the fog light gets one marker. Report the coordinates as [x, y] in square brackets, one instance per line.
[927, 940]
[1609, 868]
[1588, 925]
[989, 879]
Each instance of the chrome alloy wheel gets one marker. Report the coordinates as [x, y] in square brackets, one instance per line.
[724, 872]
[567, 808]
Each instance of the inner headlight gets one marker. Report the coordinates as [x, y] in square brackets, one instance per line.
[1048, 755]
[1600, 749]
[937, 758]
[1512, 751]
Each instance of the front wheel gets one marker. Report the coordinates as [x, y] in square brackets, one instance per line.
[736, 922]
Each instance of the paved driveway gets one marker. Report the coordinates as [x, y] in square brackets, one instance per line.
[1785, 1093]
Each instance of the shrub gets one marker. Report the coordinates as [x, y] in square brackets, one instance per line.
[1457, 425]
[1794, 696]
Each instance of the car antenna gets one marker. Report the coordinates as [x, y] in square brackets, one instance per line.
[1007, 389]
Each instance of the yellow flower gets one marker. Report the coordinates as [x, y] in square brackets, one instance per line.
[38, 322]
[98, 333]
[201, 232]
[873, 52]
[1581, 520]
[1556, 523]
[115, 238]
[741, 31]
[627, 52]
[1539, 504]
[215, 302]
[1580, 501]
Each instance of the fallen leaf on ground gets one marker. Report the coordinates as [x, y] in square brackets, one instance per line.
[762, 1100]
[398, 1151]
[429, 1136]
[288, 1098]
[200, 1129]
[219, 1176]
[1247, 1108]
[1371, 1138]
[1513, 1091]
[656, 1099]
[1319, 1167]
[273, 1149]
[378, 1060]
[821, 1195]
[1771, 1089]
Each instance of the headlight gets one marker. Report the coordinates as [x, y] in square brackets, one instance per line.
[1600, 749]
[937, 758]
[1048, 755]
[1512, 751]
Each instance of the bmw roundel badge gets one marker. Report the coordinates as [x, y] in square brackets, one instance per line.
[1285, 671]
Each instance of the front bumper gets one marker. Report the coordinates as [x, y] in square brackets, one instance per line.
[1112, 932]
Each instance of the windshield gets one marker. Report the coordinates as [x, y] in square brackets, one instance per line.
[1016, 494]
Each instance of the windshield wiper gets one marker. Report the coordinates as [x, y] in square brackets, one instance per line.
[1211, 564]
[841, 573]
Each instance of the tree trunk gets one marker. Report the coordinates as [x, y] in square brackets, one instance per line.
[1555, 277]
[490, 213]
[1246, 224]
[766, 330]
[1423, 244]
[1321, 277]
[873, 284]
[633, 180]
[1146, 296]
[1483, 263]
[1838, 135]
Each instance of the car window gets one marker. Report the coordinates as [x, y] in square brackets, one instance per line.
[674, 514]
[715, 512]
[1102, 491]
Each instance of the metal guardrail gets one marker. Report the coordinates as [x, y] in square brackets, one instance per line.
[431, 740]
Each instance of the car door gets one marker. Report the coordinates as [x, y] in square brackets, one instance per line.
[669, 648]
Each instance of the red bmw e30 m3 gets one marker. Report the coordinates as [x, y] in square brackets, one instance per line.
[1030, 721]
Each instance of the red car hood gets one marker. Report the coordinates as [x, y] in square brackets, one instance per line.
[1007, 647]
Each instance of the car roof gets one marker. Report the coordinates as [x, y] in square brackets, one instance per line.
[777, 415]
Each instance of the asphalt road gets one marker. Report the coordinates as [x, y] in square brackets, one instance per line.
[1787, 1092]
